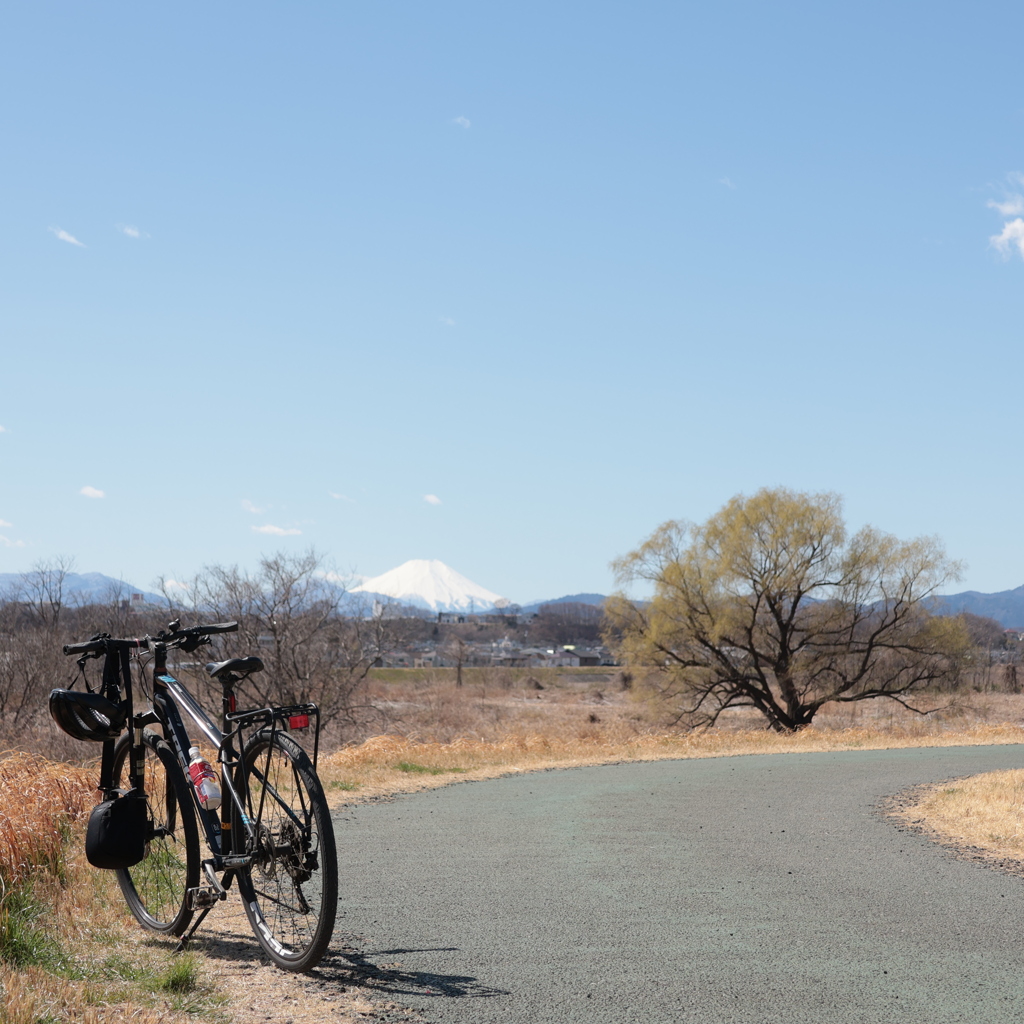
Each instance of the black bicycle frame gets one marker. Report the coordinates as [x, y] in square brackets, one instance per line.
[168, 695]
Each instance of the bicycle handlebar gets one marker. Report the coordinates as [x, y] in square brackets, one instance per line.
[100, 644]
[97, 645]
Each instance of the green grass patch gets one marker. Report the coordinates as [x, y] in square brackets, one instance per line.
[24, 940]
[181, 977]
[423, 769]
[342, 784]
[175, 982]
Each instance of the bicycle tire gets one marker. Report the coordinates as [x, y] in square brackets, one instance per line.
[290, 890]
[156, 889]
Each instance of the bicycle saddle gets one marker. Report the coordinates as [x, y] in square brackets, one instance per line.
[241, 665]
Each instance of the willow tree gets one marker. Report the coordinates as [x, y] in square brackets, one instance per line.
[771, 605]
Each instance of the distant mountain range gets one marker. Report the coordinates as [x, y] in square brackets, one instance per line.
[430, 585]
[1006, 607]
[596, 599]
[79, 587]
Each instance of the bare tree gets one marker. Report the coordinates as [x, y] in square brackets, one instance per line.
[42, 590]
[290, 613]
[455, 649]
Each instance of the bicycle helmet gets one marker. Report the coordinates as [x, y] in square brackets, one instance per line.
[87, 716]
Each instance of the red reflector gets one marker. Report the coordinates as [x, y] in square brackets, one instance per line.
[298, 722]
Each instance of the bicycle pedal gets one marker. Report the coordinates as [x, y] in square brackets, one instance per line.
[200, 899]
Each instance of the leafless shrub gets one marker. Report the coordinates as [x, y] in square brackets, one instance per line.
[294, 614]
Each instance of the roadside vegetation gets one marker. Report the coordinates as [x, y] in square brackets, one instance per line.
[67, 952]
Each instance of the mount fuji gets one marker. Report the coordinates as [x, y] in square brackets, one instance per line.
[432, 585]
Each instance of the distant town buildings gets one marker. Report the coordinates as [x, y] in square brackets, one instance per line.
[495, 654]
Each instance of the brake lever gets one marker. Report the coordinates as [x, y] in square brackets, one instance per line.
[88, 656]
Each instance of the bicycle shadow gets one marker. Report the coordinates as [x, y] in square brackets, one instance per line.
[344, 965]
[392, 978]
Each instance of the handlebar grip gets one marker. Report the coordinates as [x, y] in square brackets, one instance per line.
[216, 627]
[85, 647]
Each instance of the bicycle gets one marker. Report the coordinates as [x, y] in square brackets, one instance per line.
[273, 831]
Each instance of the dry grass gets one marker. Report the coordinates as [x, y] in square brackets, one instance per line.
[985, 812]
[68, 949]
[40, 801]
[505, 721]
[395, 764]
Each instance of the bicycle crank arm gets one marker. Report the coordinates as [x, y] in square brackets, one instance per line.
[201, 897]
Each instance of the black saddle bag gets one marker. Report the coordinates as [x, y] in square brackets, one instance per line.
[117, 832]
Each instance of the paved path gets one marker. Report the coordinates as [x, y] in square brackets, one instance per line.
[744, 889]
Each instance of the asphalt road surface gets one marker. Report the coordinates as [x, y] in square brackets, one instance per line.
[741, 889]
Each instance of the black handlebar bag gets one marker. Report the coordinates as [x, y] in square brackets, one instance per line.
[119, 825]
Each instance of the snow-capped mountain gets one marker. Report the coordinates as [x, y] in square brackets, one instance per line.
[428, 583]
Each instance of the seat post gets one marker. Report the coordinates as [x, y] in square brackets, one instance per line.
[228, 702]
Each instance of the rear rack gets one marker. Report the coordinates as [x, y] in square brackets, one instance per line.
[291, 716]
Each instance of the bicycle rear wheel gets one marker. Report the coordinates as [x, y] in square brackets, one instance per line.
[156, 889]
[290, 891]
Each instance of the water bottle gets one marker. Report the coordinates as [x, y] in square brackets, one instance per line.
[204, 778]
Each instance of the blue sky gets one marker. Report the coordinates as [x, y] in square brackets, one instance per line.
[568, 269]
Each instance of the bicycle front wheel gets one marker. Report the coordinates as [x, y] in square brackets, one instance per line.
[290, 890]
[156, 889]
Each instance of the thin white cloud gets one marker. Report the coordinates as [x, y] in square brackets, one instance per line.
[132, 231]
[431, 499]
[277, 531]
[65, 237]
[92, 492]
[341, 497]
[727, 182]
[1011, 236]
[3, 522]
[175, 585]
[462, 122]
[8, 543]
[3, 430]
[1012, 207]
[447, 321]
[250, 507]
